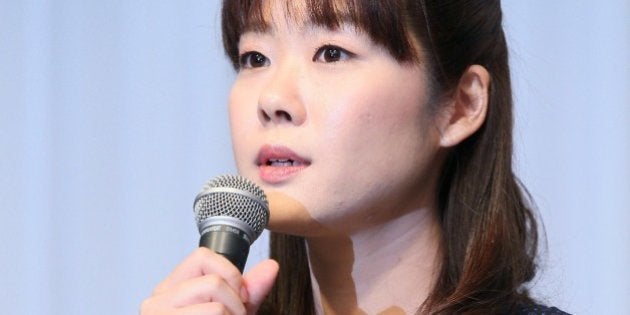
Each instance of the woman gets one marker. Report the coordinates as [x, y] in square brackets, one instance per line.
[381, 133]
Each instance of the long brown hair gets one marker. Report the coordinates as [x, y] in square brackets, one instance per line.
[489, 231]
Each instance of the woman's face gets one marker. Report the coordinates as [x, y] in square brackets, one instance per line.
[334, 123]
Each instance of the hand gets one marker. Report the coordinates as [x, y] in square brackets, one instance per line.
[207, 283]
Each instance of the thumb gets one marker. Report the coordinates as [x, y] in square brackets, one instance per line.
[259, 281]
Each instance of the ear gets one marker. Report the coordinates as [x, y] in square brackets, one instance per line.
[466, 110]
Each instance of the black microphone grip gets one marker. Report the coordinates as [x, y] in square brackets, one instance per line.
[231, 243]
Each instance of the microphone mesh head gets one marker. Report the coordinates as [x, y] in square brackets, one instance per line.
[236, 197]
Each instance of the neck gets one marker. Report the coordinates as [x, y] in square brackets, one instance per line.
[389, 269]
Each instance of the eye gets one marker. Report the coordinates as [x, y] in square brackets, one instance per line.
[331, 53]
[253, 59]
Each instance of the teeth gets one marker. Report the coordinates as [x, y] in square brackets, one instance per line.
[281, 162]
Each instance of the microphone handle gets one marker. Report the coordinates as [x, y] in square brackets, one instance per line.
[228, 241]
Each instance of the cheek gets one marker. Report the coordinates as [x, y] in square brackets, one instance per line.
[241, 104]
[243, 120]
[377, 130]
[376, 116]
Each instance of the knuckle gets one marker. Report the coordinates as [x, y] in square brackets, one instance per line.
[232, 275]
[221, 309]
[213, 282]
[218, 308]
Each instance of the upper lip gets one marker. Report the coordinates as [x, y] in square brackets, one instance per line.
[276, 153]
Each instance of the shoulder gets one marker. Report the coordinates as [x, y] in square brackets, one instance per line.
[534, 309]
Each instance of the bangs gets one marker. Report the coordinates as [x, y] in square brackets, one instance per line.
[385, 21]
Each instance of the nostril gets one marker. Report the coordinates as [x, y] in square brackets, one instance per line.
[283, 116]
[265, 116]
[278, 116]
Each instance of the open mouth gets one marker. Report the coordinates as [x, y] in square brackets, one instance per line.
[278, 164]
[279, 156]
[283, 162]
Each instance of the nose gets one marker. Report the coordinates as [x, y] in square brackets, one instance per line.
[280, 102]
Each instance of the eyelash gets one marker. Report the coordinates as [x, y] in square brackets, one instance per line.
[245, 60]
[338, 53]
[254, 59]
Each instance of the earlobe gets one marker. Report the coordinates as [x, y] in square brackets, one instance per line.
[468, 106]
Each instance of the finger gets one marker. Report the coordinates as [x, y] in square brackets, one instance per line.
[210, 308]
[201, 290]
[202, 262]
[259, 281]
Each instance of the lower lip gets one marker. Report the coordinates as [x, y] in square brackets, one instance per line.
[278, 174]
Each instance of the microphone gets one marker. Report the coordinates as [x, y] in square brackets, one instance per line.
[231, 212]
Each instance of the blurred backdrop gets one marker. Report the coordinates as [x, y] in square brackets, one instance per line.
[113, 114]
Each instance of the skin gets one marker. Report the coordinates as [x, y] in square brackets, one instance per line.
[368, 193]
[359, 119]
